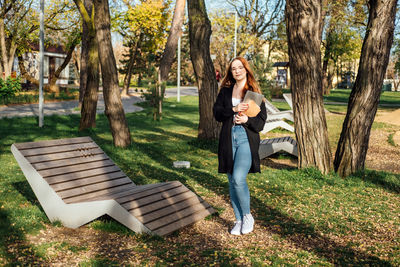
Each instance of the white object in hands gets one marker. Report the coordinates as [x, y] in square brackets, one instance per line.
[182, 164]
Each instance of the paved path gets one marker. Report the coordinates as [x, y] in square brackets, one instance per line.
[71, 107]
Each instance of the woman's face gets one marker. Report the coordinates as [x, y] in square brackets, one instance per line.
[238, 70]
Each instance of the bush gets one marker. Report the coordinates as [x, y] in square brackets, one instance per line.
[9, 88]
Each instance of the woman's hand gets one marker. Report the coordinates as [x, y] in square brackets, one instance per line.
[242, 118]
[241, 107]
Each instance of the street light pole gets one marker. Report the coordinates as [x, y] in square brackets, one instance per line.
[179, 72]
[234, 49]
[41, 62]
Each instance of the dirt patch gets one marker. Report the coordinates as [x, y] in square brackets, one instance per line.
[389, 117]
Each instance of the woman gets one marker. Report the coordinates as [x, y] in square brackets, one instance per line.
[239, 139]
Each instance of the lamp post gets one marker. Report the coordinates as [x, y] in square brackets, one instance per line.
[178, 78]
[235, 38]
[41, 63]
[234, 47]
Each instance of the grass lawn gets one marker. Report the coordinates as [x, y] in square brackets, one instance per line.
[342, 95]
[302, 217]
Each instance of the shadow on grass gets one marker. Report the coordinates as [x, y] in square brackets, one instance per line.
[13, 248]
[25, 189]
[390, 182]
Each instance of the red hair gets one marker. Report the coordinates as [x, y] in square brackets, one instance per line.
[251, 83]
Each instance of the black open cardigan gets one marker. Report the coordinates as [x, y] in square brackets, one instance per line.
[223, 113]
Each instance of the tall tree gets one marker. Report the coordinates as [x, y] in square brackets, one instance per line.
[199, 34]
[89, 73]
[303, 22]
[172, 42]
[114, 109]
[170, 49]
[364, 98]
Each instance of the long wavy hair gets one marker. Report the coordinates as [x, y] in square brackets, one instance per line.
[251, 83]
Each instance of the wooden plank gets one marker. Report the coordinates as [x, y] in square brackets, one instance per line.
[138, 188]
[57, 149]
[155, 198]
[87, 181]
[148, 217]
[144, 209]
[68, 162]
[176, 216]
[82, 174]
[57, 142]
[137, 195]
[64, 155]
[93, 187]
[76, 168]
[183, 222]
[105, 192]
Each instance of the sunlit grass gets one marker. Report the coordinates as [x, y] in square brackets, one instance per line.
[326, 220]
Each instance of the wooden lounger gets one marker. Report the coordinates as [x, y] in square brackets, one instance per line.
[274, 145]
[271, 124]
[76, 182]
[274, 113]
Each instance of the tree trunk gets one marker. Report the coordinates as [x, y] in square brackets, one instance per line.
[112, 97]
[172, 41]
[89, 70]
[364, 98]
[3, 48]
[303, 20]
[199, 35]
[128, 75]
[53, 79]
[84, 61]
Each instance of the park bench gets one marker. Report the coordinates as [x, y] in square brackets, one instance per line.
[271, 124]
[274, 113]
[274, 145]
[76, 182]
[288, 98]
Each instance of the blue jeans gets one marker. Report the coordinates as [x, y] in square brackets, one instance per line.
[238, 189]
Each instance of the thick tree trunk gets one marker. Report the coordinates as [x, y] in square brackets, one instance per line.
[89, 71]
[199, 35]
[3, 48]
[303, 20]
[364, 98]
[112, 97]
[172, 41]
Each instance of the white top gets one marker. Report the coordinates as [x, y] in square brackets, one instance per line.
[236, 101]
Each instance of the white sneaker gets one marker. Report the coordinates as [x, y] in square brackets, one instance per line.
[248, 224]
[236, 228]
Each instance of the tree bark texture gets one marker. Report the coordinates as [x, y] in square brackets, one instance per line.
[128, 75]
[89, 69]
[199, 35]
[4, 56]
[114, 109]
[172, 41]
[364, 98]
[84, 60]
[303, 19]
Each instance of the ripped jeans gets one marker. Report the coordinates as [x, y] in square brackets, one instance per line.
[238, 189]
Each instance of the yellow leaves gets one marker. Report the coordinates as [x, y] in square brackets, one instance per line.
[148, 17]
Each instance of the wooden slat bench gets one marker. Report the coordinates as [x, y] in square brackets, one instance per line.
[76, 182]
[271, 124]
[274, 145]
